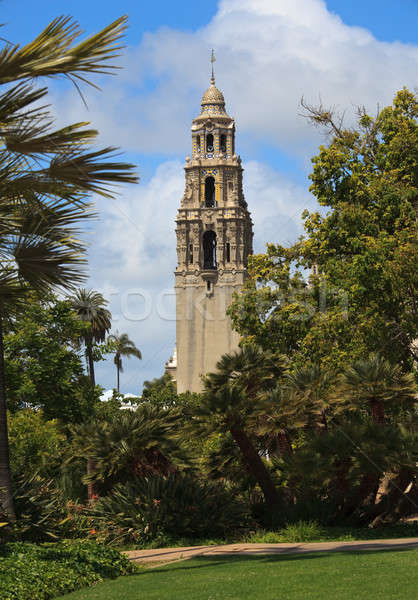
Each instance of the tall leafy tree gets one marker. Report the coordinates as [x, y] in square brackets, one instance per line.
[47, 175]
[363, 297]
[122, 346]
[43, 365]
[366, 244]
[90, 307]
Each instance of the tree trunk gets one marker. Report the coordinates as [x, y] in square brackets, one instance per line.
[6, 494]
[340, 484]
[91, 464]
[378, 411]
[324, 422]
[117, 369]
[389, 506]
[91, 362]
[256, 465]
[91, 488]
[284, 442]
[368, 489]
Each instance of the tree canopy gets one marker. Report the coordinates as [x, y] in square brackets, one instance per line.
[362, 296]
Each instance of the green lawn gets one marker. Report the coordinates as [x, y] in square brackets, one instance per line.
[380, 575]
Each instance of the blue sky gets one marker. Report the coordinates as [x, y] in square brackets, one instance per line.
[389, 20]
[269, 54]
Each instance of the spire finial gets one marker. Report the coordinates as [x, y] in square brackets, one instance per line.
[212, 60]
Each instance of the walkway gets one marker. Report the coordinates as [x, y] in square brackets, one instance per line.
[174, 554]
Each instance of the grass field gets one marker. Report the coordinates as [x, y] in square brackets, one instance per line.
[381, 575]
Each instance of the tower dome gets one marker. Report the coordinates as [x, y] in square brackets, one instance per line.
[213, 95]
[213, 101]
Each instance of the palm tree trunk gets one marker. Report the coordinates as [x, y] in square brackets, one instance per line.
[284, 442]
[91, 362]
[91, 488]
[378, 411]
[91, 464]
[256, 466]
[117, 369]
[6, 494]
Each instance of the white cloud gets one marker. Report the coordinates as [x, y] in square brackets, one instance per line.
[269, 54]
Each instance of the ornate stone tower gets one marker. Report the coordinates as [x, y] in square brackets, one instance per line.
[214, 239]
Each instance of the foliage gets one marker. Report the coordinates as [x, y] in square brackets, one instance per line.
[121, 345]
[36, 444]
[47, 174]
[178, 505]
[90, 308]
[366, 243]
[301, 531]
[41, 511]
[47, 177]
[312, 531]
[142, 442]
[339, 425]
[43, 369]
[230, 403]
[379, 387]
[45, 571]
[160, 391]
[363, 297]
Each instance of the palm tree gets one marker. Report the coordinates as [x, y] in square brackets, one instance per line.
[123, 346]
[374, 384]
[312, 384]
[282, 411]
[231, 403]
[46, 176]
[90, 308]
[142, 443]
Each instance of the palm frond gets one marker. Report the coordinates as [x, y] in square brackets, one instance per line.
[43, 264]
[90, 308]
[36, 139]
[16, 99]
[54, 52]
[85, 172]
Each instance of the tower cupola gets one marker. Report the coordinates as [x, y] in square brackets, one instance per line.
[213, 101]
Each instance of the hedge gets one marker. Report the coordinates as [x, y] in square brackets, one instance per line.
[29, 571]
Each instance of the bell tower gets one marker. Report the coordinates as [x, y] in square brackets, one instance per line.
[214, 239]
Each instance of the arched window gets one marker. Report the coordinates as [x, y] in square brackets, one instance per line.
[209, 250]
[209, 192]
[209, 143]
[198, 143]
[223, 143]
[228, 252]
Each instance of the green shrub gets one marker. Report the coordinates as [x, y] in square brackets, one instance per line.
[302, 531]
[29, 571]
[43, 513]
[161, 508]
[36, 445]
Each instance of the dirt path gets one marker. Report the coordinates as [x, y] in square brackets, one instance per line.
[166, 555]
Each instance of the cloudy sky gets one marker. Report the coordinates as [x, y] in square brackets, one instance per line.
[269, 54]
